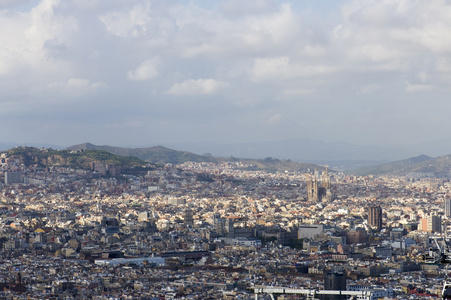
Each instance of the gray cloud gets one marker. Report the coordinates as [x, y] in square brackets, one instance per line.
[72, 71]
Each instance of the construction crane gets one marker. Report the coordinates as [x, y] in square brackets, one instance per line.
[441, 255]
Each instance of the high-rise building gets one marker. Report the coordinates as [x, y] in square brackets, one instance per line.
[423, 224]
[189, 217]
[431, 223]
[448, 207]
[13, 177]
[375, 217]
[434, 223]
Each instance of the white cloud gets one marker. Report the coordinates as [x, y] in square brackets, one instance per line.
[270, 68]
[75, 87]
[148, 69]
[132, 22]
[282, 69]
[240, 35]
[198, 87]
[372, 53]
[263, 54]
[48, 24]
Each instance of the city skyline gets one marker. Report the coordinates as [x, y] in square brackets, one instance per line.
[151, 72]
[69, 232]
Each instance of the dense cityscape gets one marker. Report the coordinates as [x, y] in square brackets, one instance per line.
[225, 149]
[218, 231]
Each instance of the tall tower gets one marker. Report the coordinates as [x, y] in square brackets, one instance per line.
[189, 217]
[448, 207]
[312, 188]
[318, 187]
[218, 222]
[230, 229]
[375, 217]
[326, 180]
[434, 223]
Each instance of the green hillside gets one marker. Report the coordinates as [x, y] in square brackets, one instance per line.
[157, 154]
[31, 156]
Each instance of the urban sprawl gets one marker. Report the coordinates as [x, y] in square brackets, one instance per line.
[218, 231]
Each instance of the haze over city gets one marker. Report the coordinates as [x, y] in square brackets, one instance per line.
[138, 73]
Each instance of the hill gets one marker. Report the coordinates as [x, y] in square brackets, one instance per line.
[440, 167]
[422, 165]
[42, 157]
[157, 154]
[163, 155]
[271, 164]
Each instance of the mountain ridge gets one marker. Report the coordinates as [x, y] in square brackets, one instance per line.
[42, 157]
[338, 155]
[162, 155]
[157, 154]
[419, 166]
[400, 167]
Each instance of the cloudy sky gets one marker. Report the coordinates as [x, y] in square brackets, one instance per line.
[148, 72]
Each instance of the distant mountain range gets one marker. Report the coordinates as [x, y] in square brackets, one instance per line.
[163, 155]
[157, 154]
[82, 155]
[337, 155]
[422, 165]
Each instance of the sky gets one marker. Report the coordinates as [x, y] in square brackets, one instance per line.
[149, 72]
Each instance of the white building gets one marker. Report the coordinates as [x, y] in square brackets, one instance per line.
[375, 292]
[241, 242]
